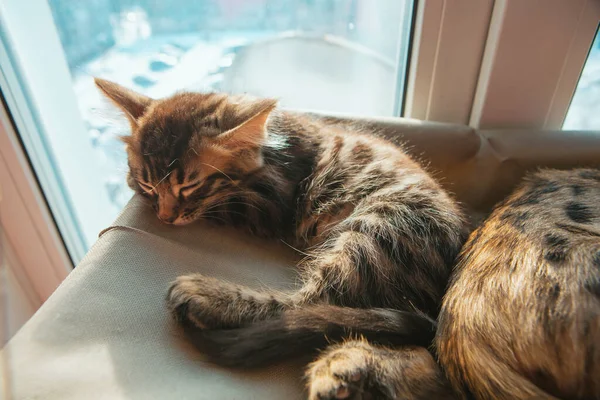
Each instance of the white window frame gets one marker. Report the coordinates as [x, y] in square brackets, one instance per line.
[484, 81]
[535, 52]
[443, 76]
[44, 109]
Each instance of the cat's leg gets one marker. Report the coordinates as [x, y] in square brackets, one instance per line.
[366, 262]
[369, 259]
[335, 273]
[208, 302]
[358, 370]
[385, 254]
[350, 270]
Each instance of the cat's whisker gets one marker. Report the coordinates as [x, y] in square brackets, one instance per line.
[215, 206]
[217, 218]
[212, 166]
[234, 202]
[159, 182]
[219, 212]
[242, 203]
[294, 248]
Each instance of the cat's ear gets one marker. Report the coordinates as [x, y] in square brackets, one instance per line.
[133, 104]
[250, 129]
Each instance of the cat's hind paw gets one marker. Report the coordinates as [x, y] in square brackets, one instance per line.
[339, 375]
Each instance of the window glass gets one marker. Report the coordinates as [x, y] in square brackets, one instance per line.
[330, 55]
[584, 112]
[347, 56]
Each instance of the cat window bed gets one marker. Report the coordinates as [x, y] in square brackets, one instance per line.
[105, 332]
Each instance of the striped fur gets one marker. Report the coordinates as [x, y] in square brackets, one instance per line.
[521, 318]
[378, 230]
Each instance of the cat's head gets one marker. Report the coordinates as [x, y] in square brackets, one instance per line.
[188, 153]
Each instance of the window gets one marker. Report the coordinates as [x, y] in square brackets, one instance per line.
[345, 56]
[489, 64]
[583, 111]
[334, 55]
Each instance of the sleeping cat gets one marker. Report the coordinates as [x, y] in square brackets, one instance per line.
[521, 318]
[381, 236]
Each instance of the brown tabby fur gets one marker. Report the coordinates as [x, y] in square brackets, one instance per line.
[376, 372]
[379, 231]
[521, 318]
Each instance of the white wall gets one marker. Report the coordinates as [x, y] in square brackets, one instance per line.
[33, 260]
[18, 301]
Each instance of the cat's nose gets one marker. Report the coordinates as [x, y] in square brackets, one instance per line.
[167, 208]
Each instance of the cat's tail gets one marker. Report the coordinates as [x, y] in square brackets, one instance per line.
[303, 331]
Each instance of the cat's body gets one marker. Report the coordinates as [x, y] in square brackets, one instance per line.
[521, 318]
[379, 231]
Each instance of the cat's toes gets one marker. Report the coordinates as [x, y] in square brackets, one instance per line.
[188, 304]
[340, 375]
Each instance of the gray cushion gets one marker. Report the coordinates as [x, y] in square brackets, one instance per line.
[105, 332]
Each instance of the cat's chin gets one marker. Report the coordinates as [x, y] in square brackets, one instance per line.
[182, 222]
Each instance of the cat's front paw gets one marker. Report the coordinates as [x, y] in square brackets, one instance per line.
[191, 300]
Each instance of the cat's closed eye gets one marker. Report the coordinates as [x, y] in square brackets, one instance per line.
[188, 189]
[207, 189]
[147, 188]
